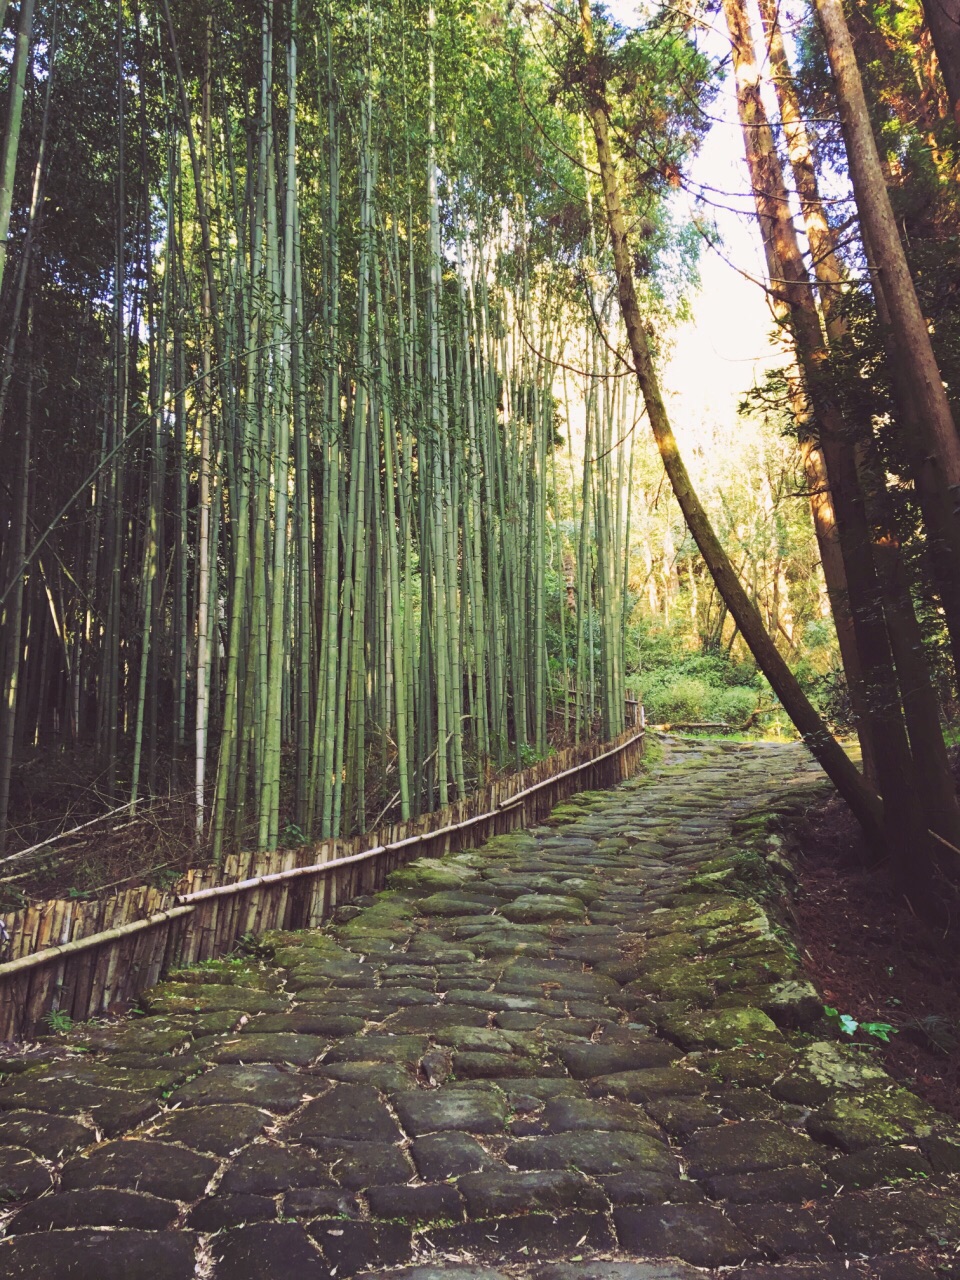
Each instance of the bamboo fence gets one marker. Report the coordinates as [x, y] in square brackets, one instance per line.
[92, 958]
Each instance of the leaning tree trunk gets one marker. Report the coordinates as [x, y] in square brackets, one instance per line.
[909, 792]
[784, 683]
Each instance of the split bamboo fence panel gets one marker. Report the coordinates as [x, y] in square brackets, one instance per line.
[93, 958]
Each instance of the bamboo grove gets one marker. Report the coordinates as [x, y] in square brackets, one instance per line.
[327, 336]
[289, 520]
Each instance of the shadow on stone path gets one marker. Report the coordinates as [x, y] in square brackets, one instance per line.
[578, 1053]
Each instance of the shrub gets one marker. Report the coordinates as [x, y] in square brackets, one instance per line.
[732, 706]
[679, 698]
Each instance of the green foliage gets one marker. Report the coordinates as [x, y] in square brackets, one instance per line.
[850, 1026]
[164, 877]
[58, 1021]
[700, 688]
[674, 696]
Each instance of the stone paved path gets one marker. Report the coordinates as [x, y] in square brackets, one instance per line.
[579, 1053]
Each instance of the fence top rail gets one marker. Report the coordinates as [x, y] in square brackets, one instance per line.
[49, 954]
[566, 773]
[422, 837]
[185, 904]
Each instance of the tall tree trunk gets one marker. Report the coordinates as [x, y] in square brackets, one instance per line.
[811, 727]
[11, 611]
[943, 531]
[920, 704]
[901, 785]
[829, 277]
[909, 328]
[205, 510]
[942, 543]
[943, 20]
[769, 195]
[277, 639]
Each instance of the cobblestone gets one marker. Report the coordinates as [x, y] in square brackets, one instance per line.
[579, 1053]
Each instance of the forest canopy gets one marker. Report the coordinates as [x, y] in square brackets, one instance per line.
[328, 487]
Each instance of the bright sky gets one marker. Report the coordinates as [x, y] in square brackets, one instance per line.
[724, 349]
[721, 352]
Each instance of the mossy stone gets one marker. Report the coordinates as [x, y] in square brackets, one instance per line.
[423, 874]
[877, 1222]
[709, 880]
[792, 1003]
[108, 1075]
[874, 1165]
[593, 799]
[665, 950]
[135, 1255]
[276, 1047]
[268, 941]
[561, 814]
[291, 955]
[600, 1152]
[226, 973]
[457, 904]
[387, 918]
[943, 1151]
[143, 1035]
[186, 997]
[21, 1174]
[509, 842]
[534, 907]
[837, 1067]
[215, 1023]
[158, 1168]
[685, 983]
[855, 1123]
[719, 1029]
[712, 912]
[747, 1147]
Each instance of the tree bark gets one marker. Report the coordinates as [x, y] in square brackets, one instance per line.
[943, 21]
[941, 527]
[829, 277]
[920, 703]
[901, 785]
[909, 328]
[11, 614]
[943, 531]
[811, 727]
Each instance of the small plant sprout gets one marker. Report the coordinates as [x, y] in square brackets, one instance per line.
[59, 1021]
[850, 1026]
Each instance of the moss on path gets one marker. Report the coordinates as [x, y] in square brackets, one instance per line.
[583, 1052]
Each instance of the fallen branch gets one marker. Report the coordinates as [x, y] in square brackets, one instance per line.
[687, 725]
[62, 835]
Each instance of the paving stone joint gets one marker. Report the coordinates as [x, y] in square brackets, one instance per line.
[586, 1051]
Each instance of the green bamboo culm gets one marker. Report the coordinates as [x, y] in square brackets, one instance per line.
[318, 580]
